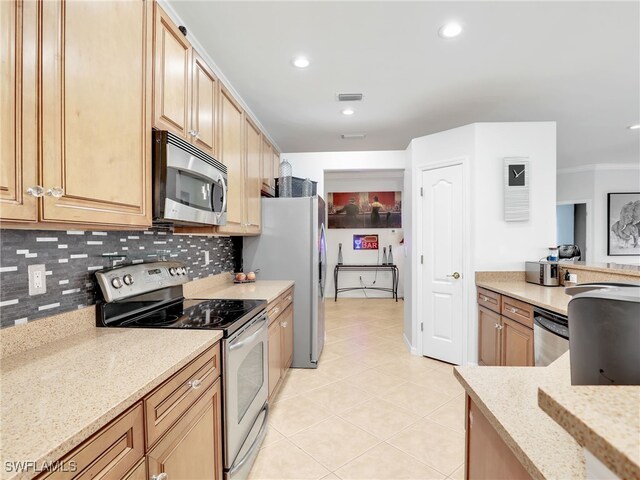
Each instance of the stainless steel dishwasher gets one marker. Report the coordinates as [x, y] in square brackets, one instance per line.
[550, 336]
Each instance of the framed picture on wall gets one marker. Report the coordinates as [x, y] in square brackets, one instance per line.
[623, 221]
[365, 209]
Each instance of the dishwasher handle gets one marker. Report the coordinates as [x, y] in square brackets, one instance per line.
[555, 328]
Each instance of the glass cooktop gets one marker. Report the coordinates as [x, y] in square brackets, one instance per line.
[225, 315]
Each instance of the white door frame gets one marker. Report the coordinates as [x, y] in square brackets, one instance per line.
[589, 238]
[468, 276]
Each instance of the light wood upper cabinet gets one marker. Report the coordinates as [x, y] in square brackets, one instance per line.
[232, 155]
[267, 167]
[172, 76]
[203, 105]
[18, 110]
[192, 448]
[276, 169]
[96, 111]
[253, 178]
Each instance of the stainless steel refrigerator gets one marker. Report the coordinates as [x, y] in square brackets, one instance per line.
[292, 246]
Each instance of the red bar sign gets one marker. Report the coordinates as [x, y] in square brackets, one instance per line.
[365, 242]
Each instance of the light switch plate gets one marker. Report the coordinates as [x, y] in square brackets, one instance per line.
[37, 279]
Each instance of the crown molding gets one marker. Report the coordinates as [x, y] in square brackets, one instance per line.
[598, 167]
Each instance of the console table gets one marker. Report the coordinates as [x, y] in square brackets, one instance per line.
[366, 267]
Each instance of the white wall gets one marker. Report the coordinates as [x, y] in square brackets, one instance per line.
[313, 165]
[591, 184]
[493, 243]
[565, 224]
[365, 181]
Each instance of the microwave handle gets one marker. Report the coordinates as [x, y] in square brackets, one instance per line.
[224, 193]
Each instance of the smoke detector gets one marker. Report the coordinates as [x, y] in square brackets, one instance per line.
[353, 136]
[349, 97]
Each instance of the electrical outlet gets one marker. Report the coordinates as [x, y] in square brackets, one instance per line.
[206, 258]
[37, 279]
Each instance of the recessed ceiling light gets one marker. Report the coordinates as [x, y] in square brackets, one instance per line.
[300, 62]
[634, 127]
[348, 111]
[450, 30]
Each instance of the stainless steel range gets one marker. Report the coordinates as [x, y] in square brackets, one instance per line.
[149, 295]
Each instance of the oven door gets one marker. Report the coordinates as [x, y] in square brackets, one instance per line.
[245, 380]
[194, 190]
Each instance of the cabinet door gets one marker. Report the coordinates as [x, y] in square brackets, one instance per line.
[193, 446]
[253, 178]
[232, 155]
[488, 337]
[275, 355]
[267, 167]
[488, 457]
[19, 127]
[172, 76]
[138, 473]
[286, 330]
[203, 106]
[96, 96]
[517, 344]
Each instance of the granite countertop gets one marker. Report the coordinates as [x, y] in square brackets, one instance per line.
[551, 298]
[508, 397]
[268, 290]
[603, 419]
[55, 396]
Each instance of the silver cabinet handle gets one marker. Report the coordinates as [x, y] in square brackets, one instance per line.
[35, 191]
[284, 324]
[194, 133]
[55, 192]
[276, 310]
[288, 298]
[160, 476]
[195, 384]
[455, 275]
[499, 327]
[513, 310]
[483, 298]
[496, 326]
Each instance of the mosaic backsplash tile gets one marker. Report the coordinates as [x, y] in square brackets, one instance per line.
[71, 257]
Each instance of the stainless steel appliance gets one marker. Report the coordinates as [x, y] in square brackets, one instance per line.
[293, 246]
[542, 273]
[550, 336]
[604, 320]
[189, 186]
[149, 295]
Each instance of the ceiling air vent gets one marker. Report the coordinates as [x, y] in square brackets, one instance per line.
[353, 136]
[349, 97]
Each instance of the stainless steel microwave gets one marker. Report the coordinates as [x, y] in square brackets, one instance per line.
[189, 186]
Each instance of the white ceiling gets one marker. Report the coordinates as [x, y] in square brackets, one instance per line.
[577, 63]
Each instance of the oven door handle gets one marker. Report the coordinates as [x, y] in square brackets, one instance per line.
[224, 194]
[256, 444]
[235, 345]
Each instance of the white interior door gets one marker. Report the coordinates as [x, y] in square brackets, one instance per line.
[442, 283]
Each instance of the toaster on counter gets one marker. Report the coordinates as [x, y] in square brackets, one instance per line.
[542, 273]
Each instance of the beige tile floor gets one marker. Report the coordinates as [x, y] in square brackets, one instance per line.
[370, 411]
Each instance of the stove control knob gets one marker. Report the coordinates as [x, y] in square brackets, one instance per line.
[172, 271]
[184, 270]
[128, 279]
[116, 282]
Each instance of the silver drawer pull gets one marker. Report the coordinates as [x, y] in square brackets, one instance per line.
[284, 324]
[160, 476]
[276, 310]
[513, 310]
[483, 298]
[195, 384]
[288, 298]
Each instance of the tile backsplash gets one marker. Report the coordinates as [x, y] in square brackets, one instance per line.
[71, 256]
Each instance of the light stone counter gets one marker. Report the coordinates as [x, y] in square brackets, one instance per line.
[56, 395]
[267, 290]
[508, 398]
[551, 298]
[603, 419]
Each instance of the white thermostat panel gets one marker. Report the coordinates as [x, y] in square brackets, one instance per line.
[516, 189]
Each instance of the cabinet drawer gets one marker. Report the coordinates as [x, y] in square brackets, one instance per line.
[286, 298]
[174, 397]
[489, 299]
[111, 453]
[274, 309]
[518, 311]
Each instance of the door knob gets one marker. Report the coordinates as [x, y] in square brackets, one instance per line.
[455, 275]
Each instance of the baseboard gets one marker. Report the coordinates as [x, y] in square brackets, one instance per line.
[411, 349]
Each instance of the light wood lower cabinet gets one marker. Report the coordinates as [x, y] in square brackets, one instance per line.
[488, 457]
[517, 344]
[192, 447]
[505, 334]
[280, 313]
[182, 419]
